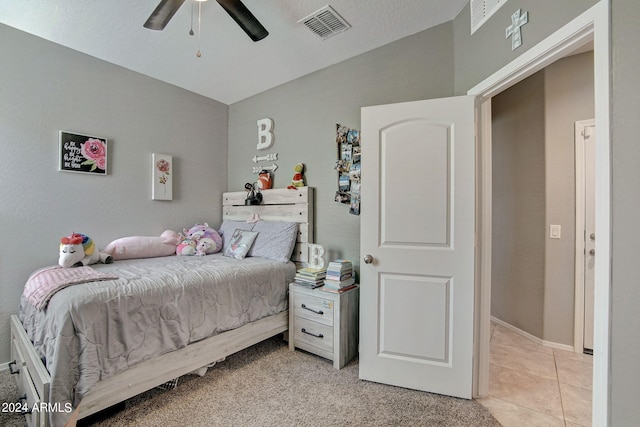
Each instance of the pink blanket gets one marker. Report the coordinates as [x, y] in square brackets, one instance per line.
[44, 283]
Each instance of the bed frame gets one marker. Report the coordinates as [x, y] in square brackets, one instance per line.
[33, 379]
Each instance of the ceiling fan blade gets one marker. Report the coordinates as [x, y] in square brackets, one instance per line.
[163, 14]
[244, 18]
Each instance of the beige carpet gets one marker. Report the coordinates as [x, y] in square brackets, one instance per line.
[267, 385]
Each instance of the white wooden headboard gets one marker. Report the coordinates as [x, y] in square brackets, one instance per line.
[281, 204]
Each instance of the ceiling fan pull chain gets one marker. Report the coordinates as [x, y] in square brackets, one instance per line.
[191, 29]
[198, 54]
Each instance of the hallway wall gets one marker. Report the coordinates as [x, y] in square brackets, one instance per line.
[517, 270]
[569, 98]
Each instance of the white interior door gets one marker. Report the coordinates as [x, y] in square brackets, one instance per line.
[417, 232]
[589, 232]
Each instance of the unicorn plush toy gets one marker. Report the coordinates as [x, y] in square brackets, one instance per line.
[79, 250]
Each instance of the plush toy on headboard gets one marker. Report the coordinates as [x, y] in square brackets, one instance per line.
[298, 177]
[79, 249]
[264, 180]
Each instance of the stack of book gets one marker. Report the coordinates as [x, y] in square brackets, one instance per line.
[339, 277]
[311, 277]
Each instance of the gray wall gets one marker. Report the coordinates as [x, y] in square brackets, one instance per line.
[305, 112]
[479, 55]
[46, 88]
[517, 270]
[625, 268]
[569, 97]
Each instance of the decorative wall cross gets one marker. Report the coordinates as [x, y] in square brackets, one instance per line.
[513, 30]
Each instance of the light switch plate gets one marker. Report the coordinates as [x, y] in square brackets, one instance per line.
[555, 231]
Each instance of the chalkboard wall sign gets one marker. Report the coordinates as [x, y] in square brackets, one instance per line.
[83, 153]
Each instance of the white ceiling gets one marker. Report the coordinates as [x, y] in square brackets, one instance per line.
[232, 67]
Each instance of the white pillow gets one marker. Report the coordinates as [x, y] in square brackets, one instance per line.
[275, 241]
[240, 243]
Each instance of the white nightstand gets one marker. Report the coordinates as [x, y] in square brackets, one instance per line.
[324, 323]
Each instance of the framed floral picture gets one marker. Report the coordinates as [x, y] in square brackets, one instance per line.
[82, 153]
[162, 187]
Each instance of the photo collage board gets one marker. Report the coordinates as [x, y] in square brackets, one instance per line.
[348, 167]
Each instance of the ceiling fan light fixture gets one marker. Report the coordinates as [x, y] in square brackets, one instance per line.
[163, 13]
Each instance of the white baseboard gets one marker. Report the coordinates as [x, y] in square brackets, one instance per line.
[532, 337]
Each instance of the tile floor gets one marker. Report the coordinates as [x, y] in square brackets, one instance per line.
[534, 385]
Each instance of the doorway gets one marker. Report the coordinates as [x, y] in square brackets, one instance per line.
[592, 25]
[533, 247]
[538, 204]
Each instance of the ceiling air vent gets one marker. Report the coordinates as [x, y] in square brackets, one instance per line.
[325, 23]
[481, 11]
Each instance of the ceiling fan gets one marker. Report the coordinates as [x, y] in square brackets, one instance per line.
[235, 8]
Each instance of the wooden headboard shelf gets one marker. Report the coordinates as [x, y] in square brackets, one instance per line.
[281, 204]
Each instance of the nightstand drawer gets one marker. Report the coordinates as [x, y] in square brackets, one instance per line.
[313, 333]
[314, 308]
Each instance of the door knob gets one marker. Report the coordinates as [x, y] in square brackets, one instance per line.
[368, 259]
[592, 252]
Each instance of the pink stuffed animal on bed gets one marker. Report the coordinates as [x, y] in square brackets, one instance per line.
[143, 246]
[186, 247]
[203, 246]
[208, 241]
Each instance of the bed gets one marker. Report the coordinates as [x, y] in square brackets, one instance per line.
[215, 306]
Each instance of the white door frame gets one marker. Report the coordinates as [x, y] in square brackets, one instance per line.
[579, 311]
[592, 25]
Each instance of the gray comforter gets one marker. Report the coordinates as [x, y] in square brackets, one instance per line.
[95, 330]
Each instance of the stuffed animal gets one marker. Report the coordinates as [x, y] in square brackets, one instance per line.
[202, 246]
[298, 177]
[144, 246]
[205, 240]
[264, 180]
[80, 250]
[186, 247]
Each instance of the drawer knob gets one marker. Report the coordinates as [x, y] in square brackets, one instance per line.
[304, 331]
[11, 370]
[320, 312]
[23, 403]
